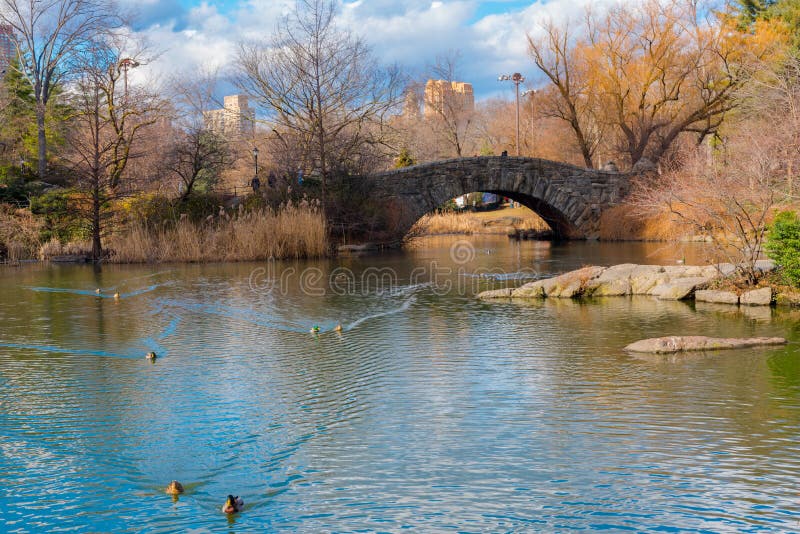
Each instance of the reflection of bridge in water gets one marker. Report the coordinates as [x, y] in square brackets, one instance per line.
[571, 199]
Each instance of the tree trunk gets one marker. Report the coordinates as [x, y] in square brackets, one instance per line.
[97, 247]
[42, 140]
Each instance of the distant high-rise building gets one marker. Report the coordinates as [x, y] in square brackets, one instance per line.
[7, 48]
[411, 105]
[446, 97]
[235, 120]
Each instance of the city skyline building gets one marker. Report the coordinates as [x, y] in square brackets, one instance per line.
[7, 48]
[236, 119]
[448, 97]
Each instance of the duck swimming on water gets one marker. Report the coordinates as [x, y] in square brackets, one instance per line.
[174, 487]
[232, 505]
[338, 328]
[314, 329]
[116, 296]
[152, 357]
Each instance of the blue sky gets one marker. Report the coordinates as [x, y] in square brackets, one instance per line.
[490, 35]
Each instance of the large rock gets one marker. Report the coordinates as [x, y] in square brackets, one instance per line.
[568, 285]
[788, 298]
[495, 294]
[646, 277]
[765, 266]
[719, 297]
[757, 297]
[612, 282]
[680, 288]
[530, 291]
[663, 345]
[610, 288]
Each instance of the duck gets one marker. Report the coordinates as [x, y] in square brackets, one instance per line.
[338, 328]
[174, 487]
[314, 329]
[116, 296]
[97, 291]
[152, 357]
[232, 505]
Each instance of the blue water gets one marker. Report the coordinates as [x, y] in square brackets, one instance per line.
[431, 411]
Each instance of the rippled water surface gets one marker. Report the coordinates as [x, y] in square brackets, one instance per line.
[432, 410]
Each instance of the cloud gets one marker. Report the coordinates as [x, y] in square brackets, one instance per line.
[490, 35]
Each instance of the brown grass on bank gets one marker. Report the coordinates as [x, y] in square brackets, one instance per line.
[622, 223]
[293, 231]
[482, 222]
[19, 234]
[54, 248]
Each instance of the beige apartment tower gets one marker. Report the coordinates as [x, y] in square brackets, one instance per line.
[236, 120]
[446, 97]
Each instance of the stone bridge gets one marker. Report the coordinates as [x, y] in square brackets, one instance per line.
[571, 199]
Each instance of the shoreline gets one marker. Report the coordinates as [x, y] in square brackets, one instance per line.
[662, 282]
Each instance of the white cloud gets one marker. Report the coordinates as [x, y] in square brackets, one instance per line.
[411, 32]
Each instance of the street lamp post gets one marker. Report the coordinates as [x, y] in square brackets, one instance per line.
[124, 66]
[517, 78]
[255, 158]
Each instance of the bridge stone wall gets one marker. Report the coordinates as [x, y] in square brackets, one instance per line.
[571, 199]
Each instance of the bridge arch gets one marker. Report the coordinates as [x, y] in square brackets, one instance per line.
[569, 198]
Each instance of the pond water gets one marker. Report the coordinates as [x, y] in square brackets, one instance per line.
[431, 410]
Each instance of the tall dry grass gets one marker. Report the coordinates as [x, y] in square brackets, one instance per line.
[54, 247]
[293, 231]
[19, 234]
[623, 223]
[492, 222]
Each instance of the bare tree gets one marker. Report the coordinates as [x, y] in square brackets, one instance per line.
[728, 197]
[194, 93]
[649, 73]
[322, 88]
[572, 99]
[450, 113]
[198, 156]
[108, 122]
[49, 35]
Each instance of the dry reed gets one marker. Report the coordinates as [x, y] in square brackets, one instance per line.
[623, 223]
[19, 234]
[293, 231]
[54, 248]
[492, 222]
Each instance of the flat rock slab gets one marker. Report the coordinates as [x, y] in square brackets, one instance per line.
[670, 344]
[718, 297]
[680, 288]
[757, 297]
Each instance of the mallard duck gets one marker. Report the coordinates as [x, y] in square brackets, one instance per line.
[314, 329]
[338, 328]
[232, 505]
[152, 357]
[116, 296]
[174, 487]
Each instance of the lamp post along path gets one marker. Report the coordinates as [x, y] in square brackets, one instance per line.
[125, 65]
[517, 78]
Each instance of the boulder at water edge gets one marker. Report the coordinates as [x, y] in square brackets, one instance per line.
[669, 344]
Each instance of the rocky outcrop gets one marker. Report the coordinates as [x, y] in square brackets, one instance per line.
[717, 297]
[757, 297]
[666, 283]
[670, 282]
[670, 344]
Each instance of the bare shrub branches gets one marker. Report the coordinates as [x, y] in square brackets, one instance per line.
[322, 88]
